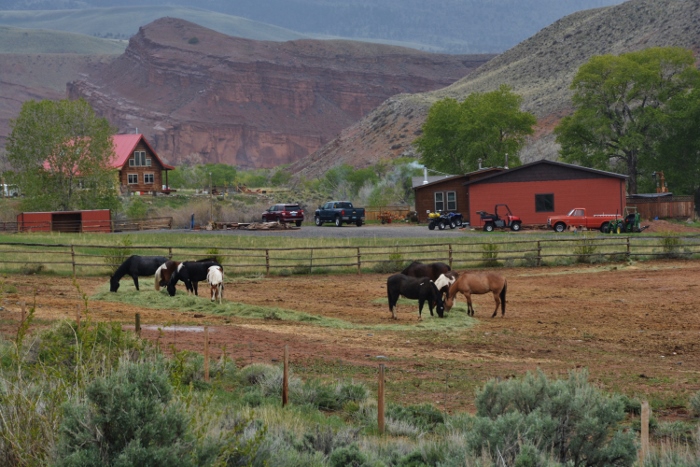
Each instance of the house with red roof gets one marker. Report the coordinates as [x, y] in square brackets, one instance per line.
[140, 168]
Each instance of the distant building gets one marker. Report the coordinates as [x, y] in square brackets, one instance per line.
[140, 168]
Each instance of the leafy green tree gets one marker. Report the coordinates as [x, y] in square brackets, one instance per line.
[484, 126]
[60, 153]
[621, 107]
[678, 155]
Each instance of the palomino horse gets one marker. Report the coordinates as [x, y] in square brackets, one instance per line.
[215, 278]
[414, 288]
[164, 272]
[479, 283]
[431, 270]
[135, 266]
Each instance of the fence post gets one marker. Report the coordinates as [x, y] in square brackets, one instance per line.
[359, 262]
[646, 413]
[311, 260]
[72, 258]
[380, 400]
[206, 353]
[170, 252]
[629, 251]
[137, 325]
[449, 253]
[539, 254]
[285, 377]
[267, 261]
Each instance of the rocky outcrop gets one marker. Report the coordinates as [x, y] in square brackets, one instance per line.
[247, 103]
[540, 69]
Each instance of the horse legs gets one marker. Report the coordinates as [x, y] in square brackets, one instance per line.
[470, 308]
[392, 304]
[498, 303]
[136, 281]
[194, 286]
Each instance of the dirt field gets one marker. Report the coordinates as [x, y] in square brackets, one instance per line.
[636, 327]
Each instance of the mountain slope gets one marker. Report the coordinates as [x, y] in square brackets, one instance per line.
[447, 26]
[191, 90]
[540, 69]
[35, 41]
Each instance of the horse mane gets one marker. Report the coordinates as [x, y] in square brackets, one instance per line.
[123, 268]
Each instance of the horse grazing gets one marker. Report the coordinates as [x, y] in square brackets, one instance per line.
[430, 270]
[191, 273]
[479, 283]
[444, 282]
[215, 277]
[135, 266]
[164, 272]
[414, 288]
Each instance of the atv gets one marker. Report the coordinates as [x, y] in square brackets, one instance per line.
[492, 221]
[442, 221]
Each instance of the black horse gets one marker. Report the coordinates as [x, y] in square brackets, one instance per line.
[429, 270]
[191, 273]
[136, 266]
[414, 288]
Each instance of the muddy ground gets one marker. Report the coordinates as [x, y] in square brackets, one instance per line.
[635, 327]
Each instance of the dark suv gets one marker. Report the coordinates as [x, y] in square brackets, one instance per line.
[284, 213]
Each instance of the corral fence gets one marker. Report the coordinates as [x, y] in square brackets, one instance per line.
[94, 259]
[666, 207]
[80, 226]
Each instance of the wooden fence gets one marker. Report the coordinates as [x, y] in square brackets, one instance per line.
[153, 223]
[94, 259]
[671, 207]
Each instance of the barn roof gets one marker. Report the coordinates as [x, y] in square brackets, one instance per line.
[124, 146]
[509, 174]
[419, 182]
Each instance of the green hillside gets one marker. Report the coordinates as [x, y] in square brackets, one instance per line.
[34, 41]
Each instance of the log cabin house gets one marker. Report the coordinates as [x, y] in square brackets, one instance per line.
[140, 169]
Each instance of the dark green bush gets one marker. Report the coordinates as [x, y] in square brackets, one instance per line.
[570, 419]
[349, 456]
[423, 416]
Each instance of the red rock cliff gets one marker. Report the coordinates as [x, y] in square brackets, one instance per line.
[191, 90]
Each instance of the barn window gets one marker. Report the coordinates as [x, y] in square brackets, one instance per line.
[133, 179]
[451, 201]
[148, 178]
[439, 201]
[544, 202]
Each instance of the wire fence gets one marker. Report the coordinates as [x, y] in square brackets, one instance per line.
[99, 259]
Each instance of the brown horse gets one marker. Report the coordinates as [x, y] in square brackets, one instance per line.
[429, 270]
[164, 272]
[479, 283]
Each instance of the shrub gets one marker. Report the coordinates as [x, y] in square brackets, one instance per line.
[213, 253]
[489, 254]
[423, 416]
[695, 404]
[585, 250]
[568, 418]
[127, 419]
[670, 245]
[349, 456]
[114, 257]
[392, 266]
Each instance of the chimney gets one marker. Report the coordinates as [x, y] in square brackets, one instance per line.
[479, 159]
[425, 175]
[506, 161]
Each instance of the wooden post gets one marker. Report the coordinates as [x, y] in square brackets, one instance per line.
[449, 253]
[380, 400]
[72, 259]
[311, 260]
[646, 414]
[170, 252]
[137, 326]
[629, 250]
[359, 263]
[206, 353]
[285, 378]
[267, 261]
[539, 254]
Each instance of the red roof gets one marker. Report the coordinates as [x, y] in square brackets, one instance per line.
[124, 146]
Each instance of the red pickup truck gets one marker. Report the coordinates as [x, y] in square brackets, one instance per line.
[577, 218]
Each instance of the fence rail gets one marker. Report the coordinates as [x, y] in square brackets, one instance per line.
[153, 223]
[96, 259]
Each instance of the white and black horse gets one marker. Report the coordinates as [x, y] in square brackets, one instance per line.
[191, 273]
[414, 288]
[136, 266]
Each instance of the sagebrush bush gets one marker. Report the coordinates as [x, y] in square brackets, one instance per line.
[695, 404]
[424, 416]
[114, 257]
[568, 418]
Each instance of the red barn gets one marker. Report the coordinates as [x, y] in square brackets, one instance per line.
[97, 220]
[540, 189]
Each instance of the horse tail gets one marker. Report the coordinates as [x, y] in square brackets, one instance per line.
[503, 297]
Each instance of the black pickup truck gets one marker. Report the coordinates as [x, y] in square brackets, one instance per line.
[339, 212]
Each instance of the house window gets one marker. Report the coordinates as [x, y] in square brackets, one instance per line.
[544, 202]
[439, 201]
[148, 178]
[451, 201]
[148, 162]
[139, 160]
[133, 179]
